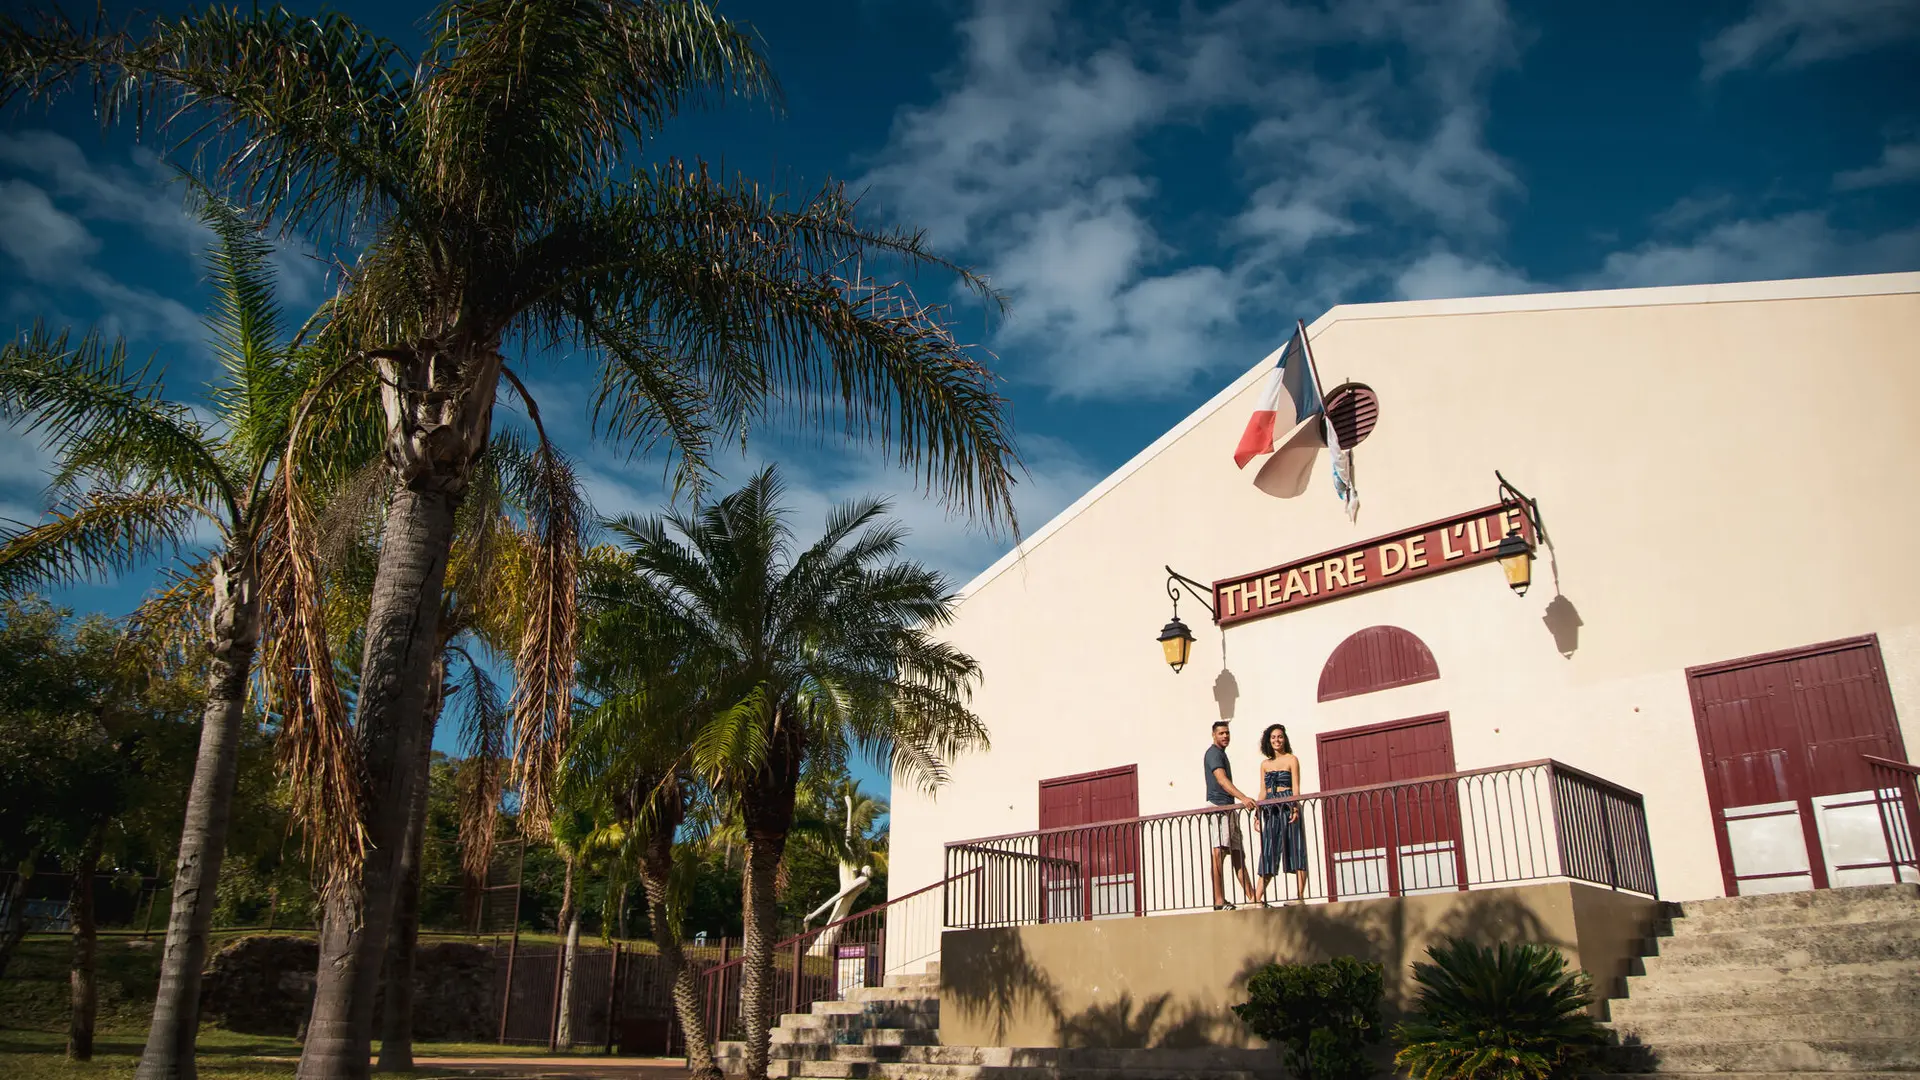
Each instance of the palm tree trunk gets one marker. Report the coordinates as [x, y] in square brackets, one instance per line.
[656, 870]
[396, 1032]
[758, 1013]
[203, 836]
[15, 930]
[401, 641]
[563, 1026]
[80, 910]
[564, 1037]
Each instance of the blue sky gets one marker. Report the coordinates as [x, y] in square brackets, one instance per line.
[1160, 191]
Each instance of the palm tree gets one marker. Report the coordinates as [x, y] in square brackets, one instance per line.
[517, 490]
[137, 475]
[483, 185]
[627, 762]
[824, 651]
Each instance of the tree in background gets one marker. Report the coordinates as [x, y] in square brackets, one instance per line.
[836, 821]
[820, 652]
[480, 179]
[135, 475]
[90, 740]
[629, 766]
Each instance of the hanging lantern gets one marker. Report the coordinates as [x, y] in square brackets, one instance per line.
[1516, 560]
[1176, 641]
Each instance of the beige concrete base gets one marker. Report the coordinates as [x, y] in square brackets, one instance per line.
[1169, 981]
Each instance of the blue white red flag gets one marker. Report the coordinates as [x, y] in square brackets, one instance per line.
[1288, 423]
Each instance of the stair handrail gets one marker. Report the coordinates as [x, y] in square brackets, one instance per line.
[714, 971]
[1905, 767]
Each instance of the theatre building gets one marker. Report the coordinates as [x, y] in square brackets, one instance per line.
[1706, 685]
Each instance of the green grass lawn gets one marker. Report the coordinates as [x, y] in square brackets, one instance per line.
[33, 1021]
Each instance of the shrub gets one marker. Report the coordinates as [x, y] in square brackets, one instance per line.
[1512, 1013]
[1323, 1015]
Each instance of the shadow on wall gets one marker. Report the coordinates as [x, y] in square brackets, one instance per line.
[1396, 936]
[1226, 691]
[1005, 982]
[1563, 622]
[1004, 993]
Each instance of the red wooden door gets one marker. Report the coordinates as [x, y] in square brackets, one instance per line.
[1091, 866]
[1781, 739]
[1395, 839]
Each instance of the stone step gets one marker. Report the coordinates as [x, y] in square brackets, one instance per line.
[1660, 1030]
[850, 1036]
[909, 1071]
[895, 993]
[1787, 950]
[1766, 999]
[875, 1009]
[909, 1019]
[929, 979]
[1784, 938]
[1892, 905]
[1771, 1055]
[1720, 1075]
[1823, 901]
[1199, 1059]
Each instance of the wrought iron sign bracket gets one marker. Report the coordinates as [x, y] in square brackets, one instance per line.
[1201, 592]
[1528, 506]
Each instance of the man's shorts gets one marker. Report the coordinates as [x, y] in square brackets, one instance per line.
[1224, 827]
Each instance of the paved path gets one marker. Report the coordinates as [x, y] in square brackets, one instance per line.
[560, 1068]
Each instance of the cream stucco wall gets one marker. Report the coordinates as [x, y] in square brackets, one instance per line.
[1723, 470]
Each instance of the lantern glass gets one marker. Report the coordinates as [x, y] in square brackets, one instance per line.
[1516, 560]
[1176, 642]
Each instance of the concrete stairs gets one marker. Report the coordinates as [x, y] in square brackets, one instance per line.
[892, 1032]
[1788, 984]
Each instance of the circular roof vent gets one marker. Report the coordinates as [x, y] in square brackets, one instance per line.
[1354, 409]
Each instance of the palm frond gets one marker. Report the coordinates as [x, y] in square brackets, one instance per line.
[305, 114]
[106, 420]
[484, 729]
[171, 623]
[316, 750]
[108, 532]
[543, 668]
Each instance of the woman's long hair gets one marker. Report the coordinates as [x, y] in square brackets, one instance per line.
[1266, 740]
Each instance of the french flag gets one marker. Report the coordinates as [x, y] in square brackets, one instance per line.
[1286, 423]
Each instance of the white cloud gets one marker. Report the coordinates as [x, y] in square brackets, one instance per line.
[1899, 164]
[1444, 274]
[1797, 33]
[46, 241]
[1793, 245]
[1034, 162]
[146, 200]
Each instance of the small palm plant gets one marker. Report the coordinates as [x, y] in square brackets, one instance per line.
[1509, 1013]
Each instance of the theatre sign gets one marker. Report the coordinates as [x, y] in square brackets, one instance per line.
[1462, 540]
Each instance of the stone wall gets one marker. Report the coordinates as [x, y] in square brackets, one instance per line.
[263, 985]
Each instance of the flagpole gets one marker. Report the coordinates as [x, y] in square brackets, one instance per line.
[1319, 388]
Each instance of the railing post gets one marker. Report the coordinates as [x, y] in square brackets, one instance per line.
[1606, 839]
[794, 1001]
[1559, 826]
[613, 996]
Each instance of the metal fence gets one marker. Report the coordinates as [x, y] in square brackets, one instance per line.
[823, 964]
[1896, 795]
[1535, 821]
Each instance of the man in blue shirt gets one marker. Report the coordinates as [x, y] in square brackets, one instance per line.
[1223, 826]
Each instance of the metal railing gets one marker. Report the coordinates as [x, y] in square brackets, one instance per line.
[1896, 794]
[1536, 821]
[824, 963]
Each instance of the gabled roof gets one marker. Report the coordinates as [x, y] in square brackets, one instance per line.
[1731, 293]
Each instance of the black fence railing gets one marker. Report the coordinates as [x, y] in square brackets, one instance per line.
[823, 964]
[1896, 795]
[1536, 821]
